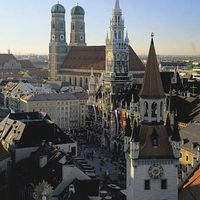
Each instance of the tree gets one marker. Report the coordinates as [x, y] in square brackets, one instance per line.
[42, 191]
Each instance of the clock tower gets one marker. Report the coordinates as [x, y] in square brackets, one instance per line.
[153, 149]
[57, 46]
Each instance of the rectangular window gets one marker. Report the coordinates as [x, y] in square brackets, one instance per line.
[187, 158]
[164, 184]
[147, 184]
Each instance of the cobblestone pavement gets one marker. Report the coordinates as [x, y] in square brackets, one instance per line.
[107, 171]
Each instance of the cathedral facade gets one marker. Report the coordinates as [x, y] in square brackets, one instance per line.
[73, 62]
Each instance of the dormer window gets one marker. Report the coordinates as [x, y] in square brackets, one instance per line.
[154, 138]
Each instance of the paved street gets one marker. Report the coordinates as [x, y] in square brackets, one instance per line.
[107, 171]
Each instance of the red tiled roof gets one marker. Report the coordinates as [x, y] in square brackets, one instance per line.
[191, 189]
[78, 73]
[87, 57]
[152, 86]
[147, 150]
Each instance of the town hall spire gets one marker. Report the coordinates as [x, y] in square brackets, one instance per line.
[117, 7]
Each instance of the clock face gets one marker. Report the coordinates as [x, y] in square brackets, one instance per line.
[53, 37]
[156, 171]
[81, 37]
[62, 37]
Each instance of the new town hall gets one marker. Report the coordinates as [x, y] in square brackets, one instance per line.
[111, 73]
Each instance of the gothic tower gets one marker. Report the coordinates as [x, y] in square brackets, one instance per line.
[117, 74]
[57, 46]
[77, 35]
[117, 46]
[154, 149]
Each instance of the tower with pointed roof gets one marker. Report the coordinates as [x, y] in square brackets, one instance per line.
[154, 148]
[77, 34]
[57, 47]
[117, 47]
[116, 75]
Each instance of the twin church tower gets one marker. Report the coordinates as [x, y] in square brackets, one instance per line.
[111, 59]
[58, 47]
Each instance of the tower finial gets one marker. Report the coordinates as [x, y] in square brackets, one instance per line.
[126, 38]
[117, 4]
[152, 35]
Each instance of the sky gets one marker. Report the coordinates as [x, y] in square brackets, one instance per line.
[25, 24]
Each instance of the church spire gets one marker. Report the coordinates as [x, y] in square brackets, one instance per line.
[126, 38]
[117, 4]
[152, 86]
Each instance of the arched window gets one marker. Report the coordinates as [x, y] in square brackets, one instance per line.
[145, 109]
[86, 81]
[70, 80]
[53, 25]
[154, 138]
[154, 109]
[81, 84]
[115, 19]
[115, 34]
[119, 34]
[161, 109]
[75, 81]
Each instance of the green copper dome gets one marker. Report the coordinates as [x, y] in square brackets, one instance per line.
[77, 10]
[58, 8]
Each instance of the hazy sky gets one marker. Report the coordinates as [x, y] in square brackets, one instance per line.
[25, 24]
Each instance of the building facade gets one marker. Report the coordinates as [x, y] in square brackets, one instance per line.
[67, 110]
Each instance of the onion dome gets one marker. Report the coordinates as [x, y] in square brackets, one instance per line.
[77, 10]
[58, 8]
